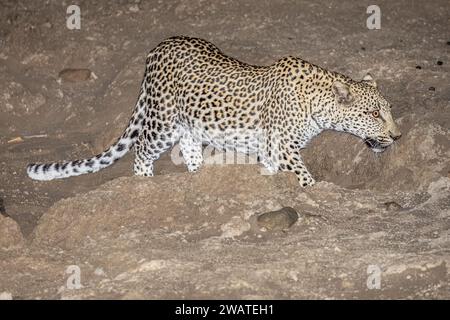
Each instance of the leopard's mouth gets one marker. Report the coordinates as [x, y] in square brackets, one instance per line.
[375, 145]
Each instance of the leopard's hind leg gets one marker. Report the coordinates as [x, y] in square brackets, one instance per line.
[191, 148]
[149, 147]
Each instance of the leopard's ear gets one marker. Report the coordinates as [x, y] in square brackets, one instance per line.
[369, 80]
[342, 92]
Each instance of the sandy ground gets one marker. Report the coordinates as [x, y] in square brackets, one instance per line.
[179, 235]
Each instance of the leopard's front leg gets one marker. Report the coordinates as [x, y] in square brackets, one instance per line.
[281, 157]
[290, 160]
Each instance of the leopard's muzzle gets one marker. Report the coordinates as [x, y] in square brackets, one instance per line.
[375, 145]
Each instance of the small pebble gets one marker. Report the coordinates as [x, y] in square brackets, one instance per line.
[418, 67]
[392, 206]
[278, 220]
[432, 88]
[439, 63]
[134, 8]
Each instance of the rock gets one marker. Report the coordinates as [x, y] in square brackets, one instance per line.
[278, 220]
[74, 75]
[225, 183]
[10, 234]
[392, 206]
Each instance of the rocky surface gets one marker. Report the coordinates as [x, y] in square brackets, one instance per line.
[374, 226]
[195, 236]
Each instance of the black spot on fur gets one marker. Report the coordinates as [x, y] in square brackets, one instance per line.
[134, 134]
[120, 147]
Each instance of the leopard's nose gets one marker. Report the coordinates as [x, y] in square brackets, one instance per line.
[394, 132]
[396, 135]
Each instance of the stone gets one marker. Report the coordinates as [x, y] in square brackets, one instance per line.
[74, 75]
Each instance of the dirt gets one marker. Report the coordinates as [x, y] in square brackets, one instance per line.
[374, 226]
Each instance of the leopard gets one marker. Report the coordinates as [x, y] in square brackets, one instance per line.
[193, 94]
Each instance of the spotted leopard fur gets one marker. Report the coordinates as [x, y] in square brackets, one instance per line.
[194, 94]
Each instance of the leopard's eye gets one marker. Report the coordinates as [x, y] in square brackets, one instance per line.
[375, 113]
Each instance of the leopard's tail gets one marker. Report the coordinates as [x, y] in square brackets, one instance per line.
[65, 169]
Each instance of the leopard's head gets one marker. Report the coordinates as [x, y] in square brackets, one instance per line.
[364, 112]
